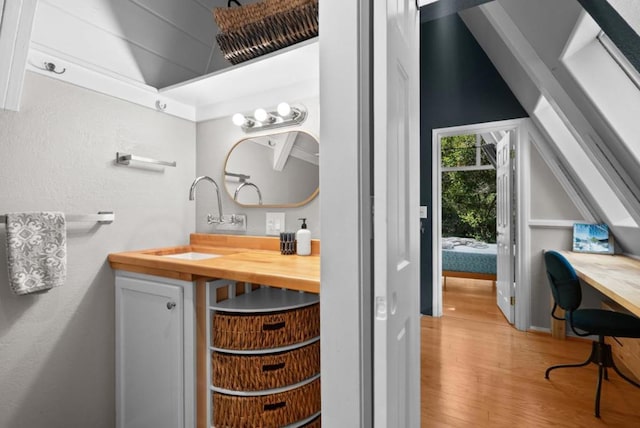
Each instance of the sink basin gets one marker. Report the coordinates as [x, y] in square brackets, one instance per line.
[192, 256]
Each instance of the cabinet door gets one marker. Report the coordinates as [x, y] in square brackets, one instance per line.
[149, 354]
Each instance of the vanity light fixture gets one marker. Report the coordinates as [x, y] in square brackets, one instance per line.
[284, 109]
[283, 115]
[263, 116]
[239, 119]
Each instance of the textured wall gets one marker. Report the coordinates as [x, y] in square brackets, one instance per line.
[214, 140]
[57, 349]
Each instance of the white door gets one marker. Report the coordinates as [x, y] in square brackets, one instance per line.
[149, 349]
[504, 226]
[396, 214]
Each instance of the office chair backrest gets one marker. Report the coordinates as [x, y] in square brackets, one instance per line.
[564, 282]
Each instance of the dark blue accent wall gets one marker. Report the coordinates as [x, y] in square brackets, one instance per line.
[458, 86]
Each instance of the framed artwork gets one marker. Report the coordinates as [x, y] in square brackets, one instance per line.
[592, 238]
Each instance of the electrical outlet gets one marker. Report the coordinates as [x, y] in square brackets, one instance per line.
[274, 224]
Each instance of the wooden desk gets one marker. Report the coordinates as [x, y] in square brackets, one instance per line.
[617, 277]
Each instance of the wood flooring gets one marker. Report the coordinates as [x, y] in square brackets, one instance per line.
[478, 371]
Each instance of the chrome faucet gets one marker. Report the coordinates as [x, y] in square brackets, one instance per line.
[249, 184]
[192, 196]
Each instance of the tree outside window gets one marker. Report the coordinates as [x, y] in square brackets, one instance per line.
[468, 189]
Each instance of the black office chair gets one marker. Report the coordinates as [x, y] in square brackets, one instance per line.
[565, 287]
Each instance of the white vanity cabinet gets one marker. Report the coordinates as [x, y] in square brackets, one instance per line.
[155, 352]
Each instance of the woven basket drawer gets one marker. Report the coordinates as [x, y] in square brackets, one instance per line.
[236, 18]
[273, 410]
[259, 372]
[235, 331]
[269, 34]
[315, 423]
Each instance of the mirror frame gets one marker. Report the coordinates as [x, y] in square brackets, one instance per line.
[291, 205]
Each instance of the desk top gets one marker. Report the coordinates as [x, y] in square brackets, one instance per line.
[617, 277]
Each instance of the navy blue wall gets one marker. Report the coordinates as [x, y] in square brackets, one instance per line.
[458, 86]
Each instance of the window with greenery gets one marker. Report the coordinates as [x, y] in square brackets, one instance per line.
[468, 189]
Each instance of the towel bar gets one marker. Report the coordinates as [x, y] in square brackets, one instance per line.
[102, 217]
[125, 158]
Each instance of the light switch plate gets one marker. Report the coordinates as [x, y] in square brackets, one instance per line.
[274, 224]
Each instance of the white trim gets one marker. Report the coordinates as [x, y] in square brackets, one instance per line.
[523, 290]
[436, 214]
[103, 83]
[467, 168]
[346, 312]
[522, 187]
[553, 224]
[15, 34]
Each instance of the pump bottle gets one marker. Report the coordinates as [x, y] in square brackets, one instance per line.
[303, 238]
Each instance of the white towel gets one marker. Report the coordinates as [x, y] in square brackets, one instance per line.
[36, 251]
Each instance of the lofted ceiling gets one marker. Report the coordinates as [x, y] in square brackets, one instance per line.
[148, 42]
[578, 96]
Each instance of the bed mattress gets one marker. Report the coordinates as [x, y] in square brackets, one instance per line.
[466, 258]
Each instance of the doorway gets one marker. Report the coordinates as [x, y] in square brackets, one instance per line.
[468, 228]
[494, 148]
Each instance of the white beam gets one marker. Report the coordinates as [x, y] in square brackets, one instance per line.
[15, 35]
[282, 150]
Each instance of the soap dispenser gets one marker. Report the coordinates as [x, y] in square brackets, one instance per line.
[303, 238]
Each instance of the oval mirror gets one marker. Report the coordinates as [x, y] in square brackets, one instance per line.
[277, 170]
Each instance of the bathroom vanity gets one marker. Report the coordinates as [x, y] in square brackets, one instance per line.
[185, 352]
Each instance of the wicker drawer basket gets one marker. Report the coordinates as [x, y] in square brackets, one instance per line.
[273, 410]
[259, 372]
[315, 423]
[237, 331]
[257, 29]
[235, 18]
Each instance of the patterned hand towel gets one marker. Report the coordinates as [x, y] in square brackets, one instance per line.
[36, 251]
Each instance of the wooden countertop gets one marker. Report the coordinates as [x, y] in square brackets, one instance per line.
[615, 276]
[250, 259]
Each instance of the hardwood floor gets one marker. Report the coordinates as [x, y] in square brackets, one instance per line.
[478, 371]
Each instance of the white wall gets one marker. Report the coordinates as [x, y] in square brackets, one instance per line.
[549, 204]
[214, 140]
[57, 153]
[549, 200]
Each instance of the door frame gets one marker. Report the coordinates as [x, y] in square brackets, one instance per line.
[522, 138]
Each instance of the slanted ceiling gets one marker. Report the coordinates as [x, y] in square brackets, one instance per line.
[152, 42]
[548, 54]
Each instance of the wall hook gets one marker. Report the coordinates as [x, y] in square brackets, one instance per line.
[160, 105]
[49, 66]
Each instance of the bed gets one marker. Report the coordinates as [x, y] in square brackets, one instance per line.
[468, 258]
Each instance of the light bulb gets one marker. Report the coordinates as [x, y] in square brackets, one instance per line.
[260, 114]
[238, 119]
[284, 109]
